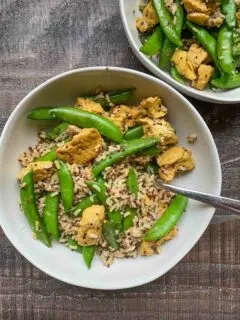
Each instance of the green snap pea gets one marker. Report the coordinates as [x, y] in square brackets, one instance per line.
[82, 205]
[128, 220]
[152, 151]
[73, 245]
[176, 75]
[49, 156]
[85, 119]
[41, 113]
[109, 234]
[134, 133]
[236, 49]
[229, 9]
[168, 220]
[166, 22]
[129, 148]
[224, 82]
[116, 218]
[132, 181]
[206, 40]
[88, 254]
[224, 49]
[152, 168]
[29, 207]
[153, 44]
[66, 184]
[98, 187]
[59, 129]
[50, 214]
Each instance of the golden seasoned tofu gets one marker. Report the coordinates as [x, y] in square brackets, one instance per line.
[196, 55]
[198, 18]
[90, 227]
[183, 66]
[152, 107]
[124, 116]
[41, 170]
[83, 147]
[159, 128]
[148, 20]
[174, 161]
[195, 6]
[216, 19]
[89, 105]
[204, 75]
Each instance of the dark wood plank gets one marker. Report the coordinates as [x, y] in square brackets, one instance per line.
[39, 39]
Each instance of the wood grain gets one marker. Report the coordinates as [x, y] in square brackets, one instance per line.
[41, 38]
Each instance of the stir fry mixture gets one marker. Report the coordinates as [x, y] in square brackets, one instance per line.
[197, 41]
[90, 182]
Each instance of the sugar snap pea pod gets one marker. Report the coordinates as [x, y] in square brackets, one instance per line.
[73, 245]
[168, 220]
[236, 49]
[229, 9]
[230, 82]
[176, 75]
[41, 113]
[115, 97]
[85, 119]
[50, 214]
[128, 148]
[166, 22]
[128, 220]
[152, 151]
[29, 207]
[98, 187]
[132, 181]
[116, 218]
[82, 205]
[168, 47]
[153, 44]
[59, 129]
[66, 184]
[152, 168]
[88, 254]
[206, 40]
[134, 133]
[109, 235]
[224, 49]
[49, 156]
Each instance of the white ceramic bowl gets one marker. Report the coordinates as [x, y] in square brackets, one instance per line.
[59, 261]
[129, 12]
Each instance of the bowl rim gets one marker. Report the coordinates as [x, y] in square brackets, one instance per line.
[163, 75]
[186, 248]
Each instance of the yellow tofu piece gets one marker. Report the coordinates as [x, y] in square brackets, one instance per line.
[89, 105]
[124, 116]
[159, 128]
[195, 6]
[83, 147]
[196, 55]
[90, 227]
[198, 18]
[204, 75]
[41, 170]
[184, 67]
[153, 108]
[174, 161]
[148, 20]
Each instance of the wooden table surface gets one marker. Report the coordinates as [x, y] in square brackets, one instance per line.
[41, 38]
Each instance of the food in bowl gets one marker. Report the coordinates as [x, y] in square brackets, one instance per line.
[198, 42]
[90, 182]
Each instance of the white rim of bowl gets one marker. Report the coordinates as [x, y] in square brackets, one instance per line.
[188, 246]
[148, 63]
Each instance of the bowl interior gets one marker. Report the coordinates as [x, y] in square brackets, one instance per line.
[129, 13]
[59, 261]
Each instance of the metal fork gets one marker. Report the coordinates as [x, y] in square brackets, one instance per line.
[215, 201]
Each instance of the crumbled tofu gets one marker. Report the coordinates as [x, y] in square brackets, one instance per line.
[196, 55]
[159, 128]
[89, 105]
[83, 147]
[204, 74]
[148, 20]
[216, 19]
[153, 108]
[198, 18]
[90, 227]
[192, 138]
[183, 66]
[174, 161]
[41, 170]
[195, 6]
[124, 116]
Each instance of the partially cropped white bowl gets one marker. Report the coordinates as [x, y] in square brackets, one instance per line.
[59, 261]
[129, 12]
